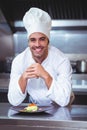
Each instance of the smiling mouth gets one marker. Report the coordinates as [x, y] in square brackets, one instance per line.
[37, 49]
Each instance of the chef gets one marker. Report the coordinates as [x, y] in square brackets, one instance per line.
[41, 70]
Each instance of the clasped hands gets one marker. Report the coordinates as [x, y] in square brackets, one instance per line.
[35, 71]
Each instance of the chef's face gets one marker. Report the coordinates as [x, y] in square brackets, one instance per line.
[38, 44]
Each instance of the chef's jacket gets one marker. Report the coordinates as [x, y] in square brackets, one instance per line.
[56, 64]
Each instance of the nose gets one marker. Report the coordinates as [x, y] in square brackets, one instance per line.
[37, 43]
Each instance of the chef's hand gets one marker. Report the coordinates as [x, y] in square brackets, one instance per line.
[35, 71]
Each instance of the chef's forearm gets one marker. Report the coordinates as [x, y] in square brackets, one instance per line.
[22, 83]
[48, 80]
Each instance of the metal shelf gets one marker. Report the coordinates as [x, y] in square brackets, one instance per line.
[79, 76]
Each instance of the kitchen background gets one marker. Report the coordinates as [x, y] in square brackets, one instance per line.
[69, 34]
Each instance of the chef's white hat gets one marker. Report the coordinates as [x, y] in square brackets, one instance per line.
[37, 20]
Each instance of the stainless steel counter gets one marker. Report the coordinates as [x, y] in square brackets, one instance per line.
[55, 118]
[79, 83]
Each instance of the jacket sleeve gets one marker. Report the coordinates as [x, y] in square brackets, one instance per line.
[15, 95]
[61, 87]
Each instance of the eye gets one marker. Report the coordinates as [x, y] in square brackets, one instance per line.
[42, 38]
[32, 39]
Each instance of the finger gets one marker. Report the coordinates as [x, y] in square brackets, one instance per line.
[30, 69]
[32, 76]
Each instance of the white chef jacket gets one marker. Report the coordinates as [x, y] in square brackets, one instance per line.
[56, 64]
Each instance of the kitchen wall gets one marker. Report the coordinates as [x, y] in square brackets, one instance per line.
[70, 36]
[69, 29]
[63, 11]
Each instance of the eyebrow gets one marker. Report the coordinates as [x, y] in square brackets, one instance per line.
[43, 37]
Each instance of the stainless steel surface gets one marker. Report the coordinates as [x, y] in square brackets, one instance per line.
[79, 82]
[69, 26]
[6, 38]
[65, 118]
[69, 23]
[81, 76]
[20, 38]
[75, 56]
[6, 43]
[71, 42]
[58, 23]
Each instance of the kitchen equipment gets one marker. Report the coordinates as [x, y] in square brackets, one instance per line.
[7, 64]
[73, 64]
[81, 66]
